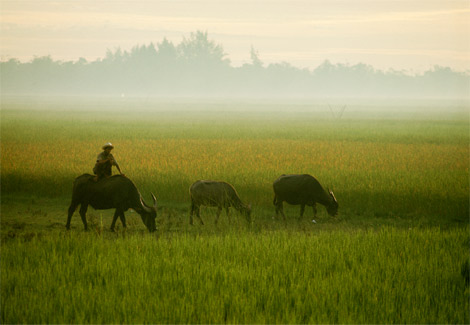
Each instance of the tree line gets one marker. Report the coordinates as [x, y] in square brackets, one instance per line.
[199, 66]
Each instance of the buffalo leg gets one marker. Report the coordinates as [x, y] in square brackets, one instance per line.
[194, 208]
[191, 213]
[227, 211]
[83, 209]
[219, 210]
[123, 219]
[198, 210]
[279, 208]
[117, 214]
[73, 206]
[302, 210]
[314, 206]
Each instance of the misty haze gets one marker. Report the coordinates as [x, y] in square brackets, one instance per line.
[235, 162]
[198, 66]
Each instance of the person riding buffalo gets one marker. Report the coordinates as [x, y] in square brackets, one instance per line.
[104, 163]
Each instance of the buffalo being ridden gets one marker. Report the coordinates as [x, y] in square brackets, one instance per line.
[216, 194]
[302, 190]
[116, 192]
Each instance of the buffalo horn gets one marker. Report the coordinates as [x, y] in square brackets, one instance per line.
[144, 206]
[154, 200]
[331, 193]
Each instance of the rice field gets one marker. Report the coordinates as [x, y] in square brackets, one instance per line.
[403, 165]
[400, 172]
[389, 276]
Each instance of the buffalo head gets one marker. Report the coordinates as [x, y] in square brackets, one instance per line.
[333, 207]
[149, 214]
[246, 210]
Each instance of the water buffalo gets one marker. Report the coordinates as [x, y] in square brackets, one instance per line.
[304, 190]
[215, 194]
[116, 192]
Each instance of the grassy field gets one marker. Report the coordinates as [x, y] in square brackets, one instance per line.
[386, 276]
[400, 172]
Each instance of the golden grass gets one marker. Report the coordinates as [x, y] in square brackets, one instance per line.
[380, 165]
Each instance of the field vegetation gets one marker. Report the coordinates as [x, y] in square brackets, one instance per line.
[386, 276]
[400, 172]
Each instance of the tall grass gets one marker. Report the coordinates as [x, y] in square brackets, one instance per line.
[388, 276]
[405, 164]
[399, 163]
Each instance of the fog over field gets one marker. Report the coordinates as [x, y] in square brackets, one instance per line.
[261, 48]
[371, 98]
[199, 67]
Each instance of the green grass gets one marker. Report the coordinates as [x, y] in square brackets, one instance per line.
[393, 255]
[384, 276]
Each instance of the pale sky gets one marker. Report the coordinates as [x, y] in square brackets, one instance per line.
[413, 35]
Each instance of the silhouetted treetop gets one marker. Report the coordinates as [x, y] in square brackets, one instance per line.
[199, 66]
[198, 50]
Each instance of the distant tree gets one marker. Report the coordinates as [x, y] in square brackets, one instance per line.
[81, 61]
[166, 53]
[326, 68]
[143, 56]
[204, 66]
[167, 72]
[11, 62]
[43, 62]
[255, 60]
[11, 76]
[445, 82]
[199, 66]
[199, 51]
[285, 79]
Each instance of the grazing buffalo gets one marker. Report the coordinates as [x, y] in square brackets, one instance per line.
[304, 190]
[216, 194]
[116, 192]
